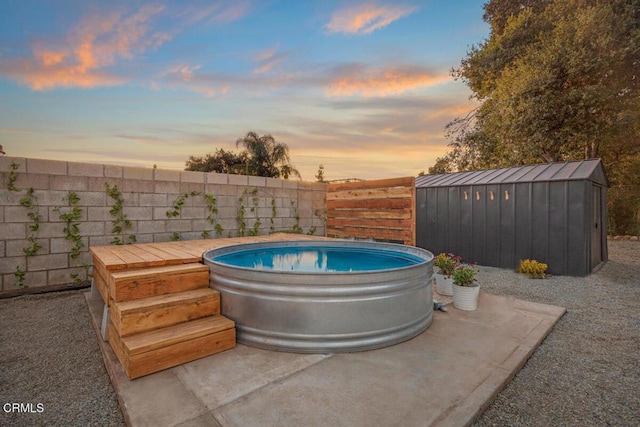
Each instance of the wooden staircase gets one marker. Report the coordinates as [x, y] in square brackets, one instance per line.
[164, 316]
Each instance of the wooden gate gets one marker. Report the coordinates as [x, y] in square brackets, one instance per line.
[383, 210]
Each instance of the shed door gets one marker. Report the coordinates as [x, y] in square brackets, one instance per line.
[596, 225]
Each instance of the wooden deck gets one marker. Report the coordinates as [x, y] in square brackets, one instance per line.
[120, 258]
[159, 310]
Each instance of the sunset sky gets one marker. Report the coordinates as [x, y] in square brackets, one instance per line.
[360, 87]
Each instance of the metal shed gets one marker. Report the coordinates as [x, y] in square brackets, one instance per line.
[555, 213]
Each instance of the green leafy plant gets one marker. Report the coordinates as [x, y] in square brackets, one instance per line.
[11, 181]
[20, 277]
[296, 229]
[71, 220]
[240, 220]
[464, 275]
[175, 236]
[212, 210]
[446, 263]
[30, 201]
[533, 268]
[274, 213]
[121, 224]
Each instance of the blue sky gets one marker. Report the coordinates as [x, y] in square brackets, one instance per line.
[360, 87]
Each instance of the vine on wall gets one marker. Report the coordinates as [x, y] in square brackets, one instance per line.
[71, 230]
[30, 201]
[121, 224]
[212, 214]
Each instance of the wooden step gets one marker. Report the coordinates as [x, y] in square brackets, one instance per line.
[149, 282]
[147, 314]
[153, 351]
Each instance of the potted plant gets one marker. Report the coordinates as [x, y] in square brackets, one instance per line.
[446, 264]
[465, 289]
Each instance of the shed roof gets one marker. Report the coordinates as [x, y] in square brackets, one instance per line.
[591, 170]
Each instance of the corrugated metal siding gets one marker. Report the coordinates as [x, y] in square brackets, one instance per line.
[501, 216]
[568, 171]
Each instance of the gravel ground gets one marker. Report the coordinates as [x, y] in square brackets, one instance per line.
[587, 371]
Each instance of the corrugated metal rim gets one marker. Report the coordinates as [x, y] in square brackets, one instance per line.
[568, 171]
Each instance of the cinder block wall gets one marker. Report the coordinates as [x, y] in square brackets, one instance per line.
[148, 194]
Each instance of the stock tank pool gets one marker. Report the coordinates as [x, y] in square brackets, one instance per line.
[323, 296]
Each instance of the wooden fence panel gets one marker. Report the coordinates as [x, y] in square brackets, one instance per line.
[381, 209]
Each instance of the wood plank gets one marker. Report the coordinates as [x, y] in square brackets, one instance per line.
[408, 181]
[175, 252]
[118, 347]
[148, 282]
[370, 214]
[183, 352]
[142, 250]
[155, 340]
[397, 224]
[103, 256]
[168, 258]
[102, 285]
[372, 233]
[133, 317]
[402, 203]
[379, 193]
[131, 259]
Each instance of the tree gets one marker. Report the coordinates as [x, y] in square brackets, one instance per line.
[266, 157]
[557, 80]
[220, 161]
[320, 174]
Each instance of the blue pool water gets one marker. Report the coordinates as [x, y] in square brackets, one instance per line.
[318, 259]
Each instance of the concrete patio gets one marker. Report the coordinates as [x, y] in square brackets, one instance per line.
[446, 376]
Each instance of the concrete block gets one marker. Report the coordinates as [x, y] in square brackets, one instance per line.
[16, 214]
[47, 262]
[238, 180]
[257, 181]
[162, 237]
[85, 169]
[50, 230]
[94, 228]
[112, 171]
[3, 246]
[100, 240]
[6, 161]
[137, 186]
[8, 198]
[64, 276]
[98, 184]
[178, 225]
[191, 235]
[99, 214]
[230, 190]
[285, 193]
[68, 183]
[136, 213]
[166, 187]
[92, 198]
[31, 280]
[265, 213]
[15, 248]
[10, 264]
[192, 213]
[55, 212]
[155, 226]
[160, 213]
[85, 258]
[35, 181]
[167, 175]
[290, 184]
[153, 199]
[138, 174]
[13, 231]
[312, 186]
[144, 238]
[216, 178]
[51, 167]
[225, 201]
[227, 212]
[274, 183]
[188, 187]
[191, 176]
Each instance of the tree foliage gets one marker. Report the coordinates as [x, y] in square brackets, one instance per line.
[557, 80]
[262, 156]
[266, 156]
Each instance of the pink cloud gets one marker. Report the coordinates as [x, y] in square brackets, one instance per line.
[366, 18]
[356, 80]
[268, 59]
[95, 44]
[220, 12]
